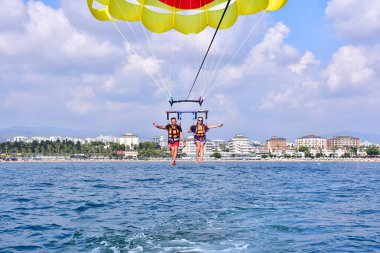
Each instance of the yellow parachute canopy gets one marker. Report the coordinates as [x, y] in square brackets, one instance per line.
[185, 16]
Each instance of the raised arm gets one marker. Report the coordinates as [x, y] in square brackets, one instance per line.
[220, 125]
[158, 126]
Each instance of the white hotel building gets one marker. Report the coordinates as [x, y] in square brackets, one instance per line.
[190, 148]
[20, 139]
[218, 144]
[312, 142]
[129, 140]
[107, 139]
[160, 140]
[240, 145]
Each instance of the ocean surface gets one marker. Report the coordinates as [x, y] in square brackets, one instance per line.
[213, 207]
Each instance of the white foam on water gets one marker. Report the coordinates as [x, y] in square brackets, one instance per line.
[184, 245]
[137, 249]
[115, 250]
[184, 249]
[96, 250]
[182, 241]
[241, 246]
[237, 246]
[136, 236]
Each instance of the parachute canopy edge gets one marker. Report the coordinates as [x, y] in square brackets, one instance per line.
[100, 14]
[159, 17]
[275, 5]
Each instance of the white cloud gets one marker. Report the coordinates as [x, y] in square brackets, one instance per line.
[359, 20]
[266, 57]
[81, 100]
[284, 78]
[277, 71]
[48, 38]
[12, 14]
[351, 66]
[307, 60]
[17, 100]
[271, 51]
[225, 105]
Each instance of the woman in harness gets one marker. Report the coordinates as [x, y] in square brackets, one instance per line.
[199, 131]
[174, 136]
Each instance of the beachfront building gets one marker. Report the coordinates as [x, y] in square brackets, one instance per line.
[361, 153]
[54, 138]
[218, 145]
[312, 142]
[131, 154]
[339, 152]
[156, 140]
[40, 139]
[190, 148]
[240, 145]
[290, 152]
[367, 144]
[161, 141]
[291, 145]
[259, 149]
[107, 139]
[276, 144]
[129, 140]
[75, 140]
[343, 141]
[20, 139]
[256, 143]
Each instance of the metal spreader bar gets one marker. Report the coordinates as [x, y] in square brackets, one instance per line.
[199, 101]
[179, 114]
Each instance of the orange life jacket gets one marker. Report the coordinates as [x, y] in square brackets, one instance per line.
[173, 133]
[200, 131]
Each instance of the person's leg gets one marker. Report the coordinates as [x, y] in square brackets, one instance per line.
[197, 150]
[174, 155]
[202, 145]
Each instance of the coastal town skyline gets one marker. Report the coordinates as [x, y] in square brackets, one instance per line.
[130, 139]
[9, 134]
[130, 146]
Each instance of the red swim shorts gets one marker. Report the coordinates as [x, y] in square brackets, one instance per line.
[175, 144]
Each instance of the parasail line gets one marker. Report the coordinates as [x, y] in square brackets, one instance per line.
[214, 68]
[147, 70]
[209, 47]
[155, 58]
[215, 64]
[253, 29]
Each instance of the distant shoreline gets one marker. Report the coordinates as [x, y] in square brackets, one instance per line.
[336, 160]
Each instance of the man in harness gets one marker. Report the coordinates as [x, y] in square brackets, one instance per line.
[199, 131]
[174, 136]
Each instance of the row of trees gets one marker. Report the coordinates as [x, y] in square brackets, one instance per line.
[145, 149]
[58, 148]
[151, 150]
[69, 148]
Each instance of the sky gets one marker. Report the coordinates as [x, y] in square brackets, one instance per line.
[312, 67]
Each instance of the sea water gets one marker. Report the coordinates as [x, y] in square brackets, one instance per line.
[213, 207]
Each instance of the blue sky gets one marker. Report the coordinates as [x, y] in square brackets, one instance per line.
[312, 67]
